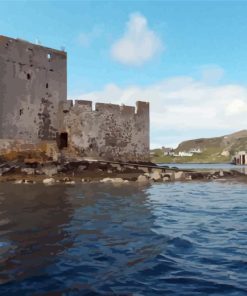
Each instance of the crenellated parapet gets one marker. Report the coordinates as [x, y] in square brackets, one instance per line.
[34, 108]
[84, 105]
[110, 131]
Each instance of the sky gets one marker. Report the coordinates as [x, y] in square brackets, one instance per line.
[187, 58]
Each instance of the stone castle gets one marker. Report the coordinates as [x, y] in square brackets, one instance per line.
[34, 109]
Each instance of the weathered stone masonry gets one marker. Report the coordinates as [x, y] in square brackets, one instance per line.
[34, 109]
[109, 132]
[32, 81]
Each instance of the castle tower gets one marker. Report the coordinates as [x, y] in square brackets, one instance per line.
[33, 80]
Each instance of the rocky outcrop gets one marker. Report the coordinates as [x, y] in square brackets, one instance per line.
[88, 171]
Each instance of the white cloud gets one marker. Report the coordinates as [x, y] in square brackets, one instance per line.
[236, 107]
[212, 73]
[182, 107]
[138, 44]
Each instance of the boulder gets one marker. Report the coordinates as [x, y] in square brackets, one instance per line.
[179, 176]
[28, 171]
[29, 182]
[170, 176]
[5, 170]
[116, 166]
[19, 181]
[188, 177]
[156, 176]
[49, 181]
[112, 180]
[221, 173]
[159, 171]
[81, 168]
[143, 169]
[142, 178]
[49, 170]
[70, 182]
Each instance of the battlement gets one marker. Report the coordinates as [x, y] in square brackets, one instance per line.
[34, 108]
[83, 105]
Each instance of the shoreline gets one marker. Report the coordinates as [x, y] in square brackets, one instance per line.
[86, 171]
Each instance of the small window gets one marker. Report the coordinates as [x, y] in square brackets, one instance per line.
[47, 85]
[21, 112]
[28, 76]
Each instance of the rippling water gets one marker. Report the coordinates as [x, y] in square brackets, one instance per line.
[97, 239]
[208, 166]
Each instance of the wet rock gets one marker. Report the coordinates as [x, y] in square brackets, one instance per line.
[38, 172]
[170, 176]
[159, 171]
[49, 181]
[70, 182]
[116, 166]
[143, 169]
[5, 168]
[81, 168]
[179, 176]
[166, 178]
[113, 180]
[197, 176]
[221, 173]
[49, 170]
[66, 179]
[156, 176]
[18, 182]
[28, 171]
[188, 177]
[29, 182]
[142, 179]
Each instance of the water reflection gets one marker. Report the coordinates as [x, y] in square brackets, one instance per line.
[97, 239]
[31, 218]
[57, 237]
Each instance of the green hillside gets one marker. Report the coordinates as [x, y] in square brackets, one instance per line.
[213, 150]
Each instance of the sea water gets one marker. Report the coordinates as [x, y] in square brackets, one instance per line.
[99, 239]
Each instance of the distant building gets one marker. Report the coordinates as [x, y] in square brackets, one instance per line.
[168, 151]
[195, 150]
[184, 153]
[240, 158]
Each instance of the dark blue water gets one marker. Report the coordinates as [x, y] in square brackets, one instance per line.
[96, 239]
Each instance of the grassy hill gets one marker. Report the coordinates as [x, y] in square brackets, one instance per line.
[213, 150]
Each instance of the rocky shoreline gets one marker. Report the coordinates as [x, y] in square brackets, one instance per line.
[74, 172]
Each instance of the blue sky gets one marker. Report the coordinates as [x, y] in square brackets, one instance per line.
[188, 58]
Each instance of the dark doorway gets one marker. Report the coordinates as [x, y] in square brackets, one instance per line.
[63, 140]
[243, 162]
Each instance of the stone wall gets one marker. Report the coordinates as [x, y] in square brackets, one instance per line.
[109, 132]
[33, 80]
[34, 110]
[22, 149]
